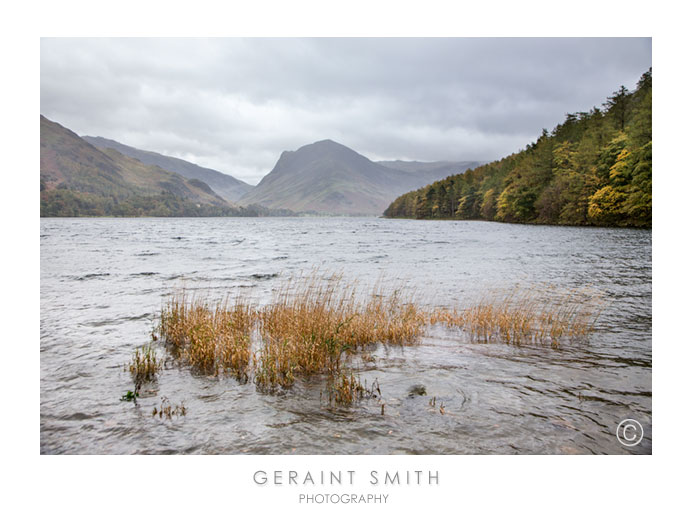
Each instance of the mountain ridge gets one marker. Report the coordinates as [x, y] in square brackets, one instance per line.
[79, 179]
[91, 176]
[229, 187]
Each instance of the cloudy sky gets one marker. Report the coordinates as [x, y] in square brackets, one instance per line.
[235, 104]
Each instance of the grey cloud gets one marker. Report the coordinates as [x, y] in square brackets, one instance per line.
[235, 104]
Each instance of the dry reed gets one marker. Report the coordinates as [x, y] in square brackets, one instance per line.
[166, 410]
[346, 389]
[211, 338]
[314, 325]
[144, 365]
[524, 317]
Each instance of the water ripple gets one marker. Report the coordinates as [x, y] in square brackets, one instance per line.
[103, 282]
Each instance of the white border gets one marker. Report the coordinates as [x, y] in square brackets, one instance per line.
[471, 486]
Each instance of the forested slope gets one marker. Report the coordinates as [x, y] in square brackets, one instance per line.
[593, 169]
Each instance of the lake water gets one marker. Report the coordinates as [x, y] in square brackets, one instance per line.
[103, 282]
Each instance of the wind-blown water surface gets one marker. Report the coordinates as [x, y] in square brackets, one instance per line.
[103, 282]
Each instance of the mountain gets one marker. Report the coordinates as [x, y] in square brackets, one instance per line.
[78, 179]
[595, 168]
[327, 177]
[227, 186]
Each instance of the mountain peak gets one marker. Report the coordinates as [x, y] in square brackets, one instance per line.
[325, 145]
[325, 142]
[325, 149]
[320, 151]
[328, 177]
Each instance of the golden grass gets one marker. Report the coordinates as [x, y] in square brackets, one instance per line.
[314, 325]
[522, 318]
[346, 389]
[211, 338]
[144, 365]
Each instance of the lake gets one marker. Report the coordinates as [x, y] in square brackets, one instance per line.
[104, 280]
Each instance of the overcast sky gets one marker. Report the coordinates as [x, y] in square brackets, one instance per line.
[235, 104]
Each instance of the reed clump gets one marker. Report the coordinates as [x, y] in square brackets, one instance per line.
[212, 338]
[314, 324]
[144, 365]
[346, 389]
[523, 318]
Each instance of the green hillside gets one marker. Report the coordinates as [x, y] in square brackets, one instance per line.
[593, 169]
[78, 179]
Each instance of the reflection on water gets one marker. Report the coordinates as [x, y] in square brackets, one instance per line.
[103, 282]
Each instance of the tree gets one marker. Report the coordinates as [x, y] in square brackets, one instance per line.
[617, 105]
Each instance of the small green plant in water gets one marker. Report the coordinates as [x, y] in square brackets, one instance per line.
[130, 396]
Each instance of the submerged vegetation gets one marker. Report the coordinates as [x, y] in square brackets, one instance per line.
[166, 410]
[144, 365]
[593, 169]
[321, 325]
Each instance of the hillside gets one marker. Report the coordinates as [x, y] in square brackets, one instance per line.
[224, 185]
[327, 177]
[593, 169]
[77, 179]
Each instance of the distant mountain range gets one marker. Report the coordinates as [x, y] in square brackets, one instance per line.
[227, 186]
[95, 176]
[329, 178]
